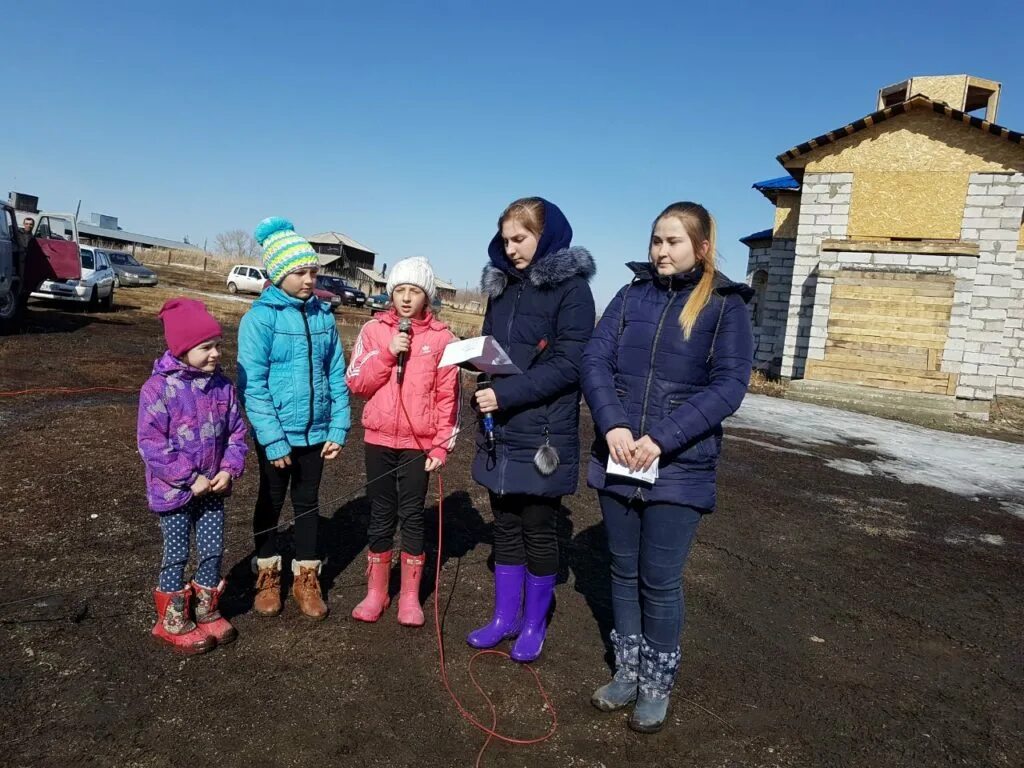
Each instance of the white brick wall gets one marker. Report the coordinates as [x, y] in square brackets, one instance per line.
[993, 341]
[777, 261]
[824, 214]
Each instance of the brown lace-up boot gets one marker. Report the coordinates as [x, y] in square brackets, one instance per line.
[306, 588]
[268, 585]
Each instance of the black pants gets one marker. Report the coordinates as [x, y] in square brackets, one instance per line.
[304, 477]
[397, 485]
[526, 531]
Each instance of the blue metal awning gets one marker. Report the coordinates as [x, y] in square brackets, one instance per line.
[782, 182]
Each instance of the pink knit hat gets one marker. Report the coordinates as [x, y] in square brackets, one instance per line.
[187, 324]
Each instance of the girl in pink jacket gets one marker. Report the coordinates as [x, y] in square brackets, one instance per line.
[411, 421]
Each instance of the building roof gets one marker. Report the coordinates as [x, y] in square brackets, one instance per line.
[913, 103]
[764, 234]
[443, 284]
[770, 188]
[134, 237]
[373, 274]
[339, 238]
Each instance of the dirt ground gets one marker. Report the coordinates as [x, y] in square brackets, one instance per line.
[830, 620]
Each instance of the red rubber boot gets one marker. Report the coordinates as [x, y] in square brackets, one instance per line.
[174, 627]
[208, 615]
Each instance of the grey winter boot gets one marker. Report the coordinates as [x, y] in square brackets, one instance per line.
[621, 691]
[656, 678]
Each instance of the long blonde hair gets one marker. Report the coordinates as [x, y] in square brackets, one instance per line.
[700, 226]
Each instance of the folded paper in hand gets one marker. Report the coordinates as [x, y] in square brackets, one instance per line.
[481, 353]
[614, 468]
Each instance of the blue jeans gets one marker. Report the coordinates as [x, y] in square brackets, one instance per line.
[205, 516]
[649, 544]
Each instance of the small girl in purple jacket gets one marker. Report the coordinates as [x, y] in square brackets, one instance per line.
[192, 440]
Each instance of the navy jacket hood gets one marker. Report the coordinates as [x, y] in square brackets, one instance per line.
[557, 236]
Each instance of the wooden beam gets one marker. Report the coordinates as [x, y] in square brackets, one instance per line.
[937, 247]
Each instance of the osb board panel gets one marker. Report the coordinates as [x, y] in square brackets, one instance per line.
[890, 283]
[904, 383]
[896, 322]
[923, 295]
[893, 369]
[926, 204]
[861, 307]
[951, 89]
[878, 350]
[887, 335]
[919, 359]
[787, 214]
[916, 141]
[890, 275]
[887, 330]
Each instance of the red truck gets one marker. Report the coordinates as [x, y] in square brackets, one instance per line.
[50, 252]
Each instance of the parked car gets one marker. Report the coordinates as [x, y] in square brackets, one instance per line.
[27, 260]
[350, 295]
[95, 287]
[246, 279]
[325, 296]
[255, 280]
[127, 271]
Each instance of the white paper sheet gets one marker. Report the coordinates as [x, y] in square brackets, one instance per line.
[482, 352]
[614, 468]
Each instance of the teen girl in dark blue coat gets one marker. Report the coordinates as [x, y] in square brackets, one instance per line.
[668, 362]
[540, 309]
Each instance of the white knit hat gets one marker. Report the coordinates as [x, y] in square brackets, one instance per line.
[414, 271]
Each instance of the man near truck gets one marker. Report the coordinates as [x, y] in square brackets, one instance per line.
[25, 233]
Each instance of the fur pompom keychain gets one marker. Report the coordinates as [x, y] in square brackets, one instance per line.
[546, 459]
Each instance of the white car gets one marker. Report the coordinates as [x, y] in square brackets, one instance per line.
[96, 286]
[246, 279]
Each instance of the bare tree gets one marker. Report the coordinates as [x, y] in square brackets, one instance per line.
[237, 245]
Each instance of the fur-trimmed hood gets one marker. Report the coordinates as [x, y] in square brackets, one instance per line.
[552, 270]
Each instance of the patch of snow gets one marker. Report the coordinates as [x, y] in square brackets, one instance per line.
[849, 466]
[965, 465]
[1017, 510]
[221, 296]
[770, 446]
[971, 538]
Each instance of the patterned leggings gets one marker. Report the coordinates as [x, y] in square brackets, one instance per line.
[206, 516]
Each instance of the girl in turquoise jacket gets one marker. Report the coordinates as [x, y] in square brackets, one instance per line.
[291, 376]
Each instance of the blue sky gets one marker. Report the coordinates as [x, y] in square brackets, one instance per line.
[409, 126]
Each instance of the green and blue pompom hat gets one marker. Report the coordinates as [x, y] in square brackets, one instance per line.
[284, 251]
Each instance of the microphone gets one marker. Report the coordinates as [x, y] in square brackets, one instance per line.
[484, 382]
[404, 326]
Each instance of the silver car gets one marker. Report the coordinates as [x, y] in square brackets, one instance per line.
[128, 272]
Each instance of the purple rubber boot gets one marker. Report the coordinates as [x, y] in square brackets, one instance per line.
[508, 603]
[539, 592]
